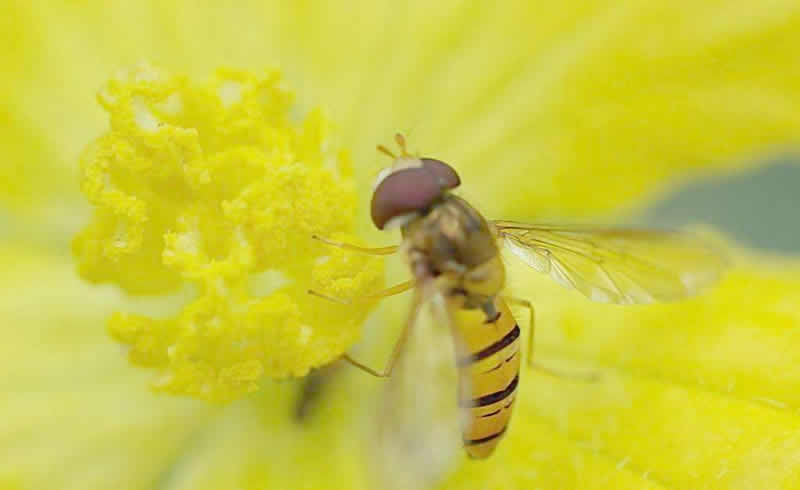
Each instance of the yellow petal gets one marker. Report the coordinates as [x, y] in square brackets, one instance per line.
[66, 391]
[698, 394]
[690, 415]
[582, 106]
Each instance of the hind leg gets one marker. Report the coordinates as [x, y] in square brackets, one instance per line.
[531, 324]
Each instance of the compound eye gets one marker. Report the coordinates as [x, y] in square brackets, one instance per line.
[403, 192]
[447, 175]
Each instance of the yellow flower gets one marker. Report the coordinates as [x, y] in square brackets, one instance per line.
[206, 183]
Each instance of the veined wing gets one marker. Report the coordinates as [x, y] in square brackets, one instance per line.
[617, 265]
[418, 436]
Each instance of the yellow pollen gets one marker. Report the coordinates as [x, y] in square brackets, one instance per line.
[215, 186]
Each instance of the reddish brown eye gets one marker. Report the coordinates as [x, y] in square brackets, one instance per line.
[448, 178]
[404, 191]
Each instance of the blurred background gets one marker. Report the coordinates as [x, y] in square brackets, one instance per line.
[758, 208]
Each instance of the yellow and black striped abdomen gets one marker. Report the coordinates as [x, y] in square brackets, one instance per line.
[488, 374]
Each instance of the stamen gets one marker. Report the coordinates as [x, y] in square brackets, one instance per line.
[221, 227]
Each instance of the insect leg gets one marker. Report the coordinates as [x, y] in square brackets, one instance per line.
[585, 377]
[398, 346]
[397, 289]
[531, 324]
[387, 371]
[356, 248]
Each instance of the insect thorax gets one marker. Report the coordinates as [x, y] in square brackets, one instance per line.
[454, 244]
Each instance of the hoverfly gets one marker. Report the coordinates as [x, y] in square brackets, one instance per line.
[458, 278]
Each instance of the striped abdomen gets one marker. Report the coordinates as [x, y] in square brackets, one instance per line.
[488, 376]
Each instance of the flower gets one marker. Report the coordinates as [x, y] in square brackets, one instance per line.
[575, 109]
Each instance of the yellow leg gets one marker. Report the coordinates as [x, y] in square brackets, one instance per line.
[531, 323]
[585, 377]
[356, 248]
[398, 347]
[387, 371]
[399, 288]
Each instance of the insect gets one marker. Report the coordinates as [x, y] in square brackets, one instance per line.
[458, 277]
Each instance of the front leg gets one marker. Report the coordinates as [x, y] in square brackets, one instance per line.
[396, 289]
[356, 248]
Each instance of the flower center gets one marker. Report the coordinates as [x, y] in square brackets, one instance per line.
[217, 186]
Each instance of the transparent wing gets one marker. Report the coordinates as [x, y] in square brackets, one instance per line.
[617, 265]
[418, 436]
